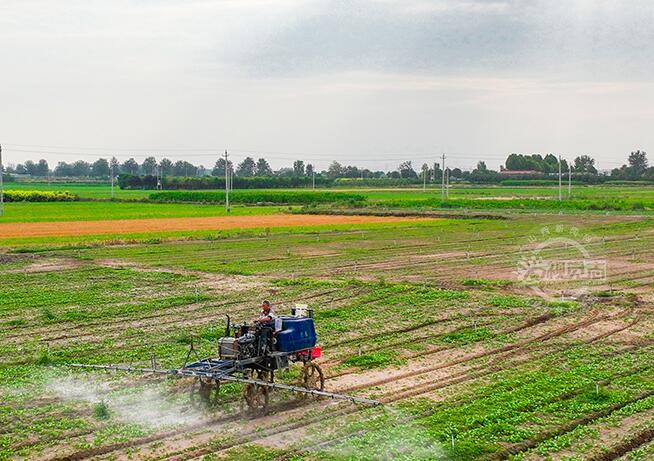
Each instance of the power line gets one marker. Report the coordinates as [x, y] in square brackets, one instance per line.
[273, 155]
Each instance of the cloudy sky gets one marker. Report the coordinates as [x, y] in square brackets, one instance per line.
[363, 82]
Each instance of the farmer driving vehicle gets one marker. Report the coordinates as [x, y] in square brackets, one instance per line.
[266, 314]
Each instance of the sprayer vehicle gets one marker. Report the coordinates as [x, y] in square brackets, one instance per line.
[251, 355]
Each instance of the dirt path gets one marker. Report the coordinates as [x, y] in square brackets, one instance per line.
[124, 226]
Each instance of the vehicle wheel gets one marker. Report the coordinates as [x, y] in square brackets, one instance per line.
[312, 377]
[205, 392]
[256, 397]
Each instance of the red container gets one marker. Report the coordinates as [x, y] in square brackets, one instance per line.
[316, 352]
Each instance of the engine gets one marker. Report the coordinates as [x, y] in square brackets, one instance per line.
[247, 343]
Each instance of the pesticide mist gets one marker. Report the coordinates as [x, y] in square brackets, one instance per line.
[146, 406]
[390, 435]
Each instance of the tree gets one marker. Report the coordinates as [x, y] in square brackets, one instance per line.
[115, 166]
[551, 164]
[514, 162]
[309, 169]
[130, 166]
[263, 168]
[81, 169]
[42, 168]
[100, 168]
[406, 170]
[535, 162]
[20, 169]
[351, 172]
[437, 173]
[298, 168]
[165, 167]
[584, 164]
[424, 171]
[637, 163]
[285, 172]
[184, 168]
[149, 165]
[63, 169]
[482, 174]
[219, 168]
[246, 168]
[30, 167]
[335, 170]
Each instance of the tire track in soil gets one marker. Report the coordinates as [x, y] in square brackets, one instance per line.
[563, 396]
[504, 349]
[529, 323]
[492, 257]
[616, 452]
[419, 246]
[582, 421]
[412, 340]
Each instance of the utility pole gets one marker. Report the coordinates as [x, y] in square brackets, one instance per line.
[569, 180]
[443, 178]
[112, 180]
[447, 184]
[2, 190]
[560, 191]
[313, 180]
[226, 182]
[157, 172]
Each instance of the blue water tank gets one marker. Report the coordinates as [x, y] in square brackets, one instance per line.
[298, 333]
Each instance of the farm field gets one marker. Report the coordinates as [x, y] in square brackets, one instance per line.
[428, 316]
[457, 191]
[19, 212]
[113, 227]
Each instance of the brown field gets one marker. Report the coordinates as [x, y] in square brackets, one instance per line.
[124, 226]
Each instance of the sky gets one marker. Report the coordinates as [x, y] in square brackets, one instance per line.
[369, 83]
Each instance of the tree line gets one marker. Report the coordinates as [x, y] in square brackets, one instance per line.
[528, 165]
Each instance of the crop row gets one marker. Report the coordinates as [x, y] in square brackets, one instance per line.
[257, 197]
[39, 196]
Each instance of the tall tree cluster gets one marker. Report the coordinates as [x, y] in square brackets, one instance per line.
[636, 168]
[535, 162]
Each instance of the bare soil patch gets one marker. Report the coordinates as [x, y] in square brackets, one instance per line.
[124, 226]
[217, 282]
[51, 265]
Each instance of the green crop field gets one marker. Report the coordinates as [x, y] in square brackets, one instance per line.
[430, 317]
[96, 211]
[641, 191]
[94, 191]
